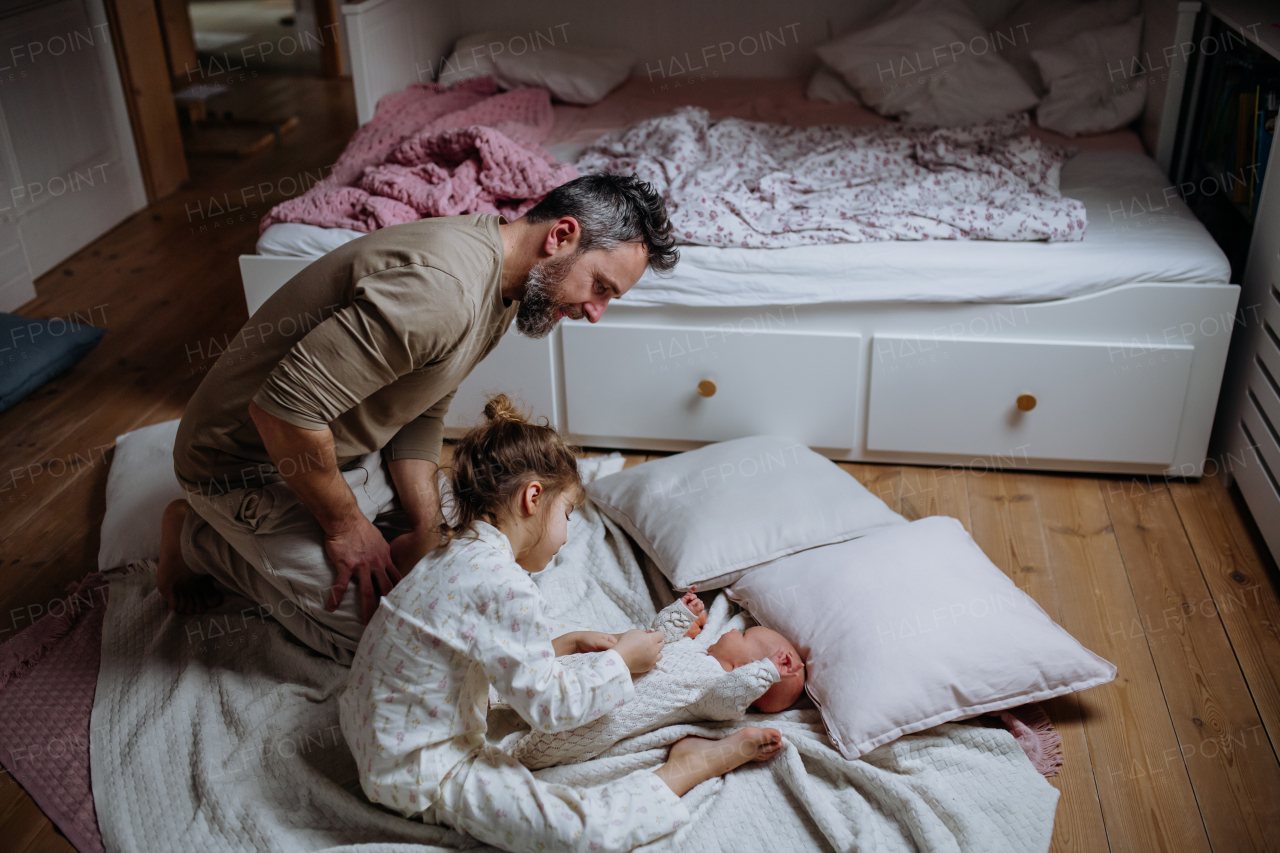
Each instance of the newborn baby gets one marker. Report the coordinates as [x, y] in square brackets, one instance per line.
[757, 669]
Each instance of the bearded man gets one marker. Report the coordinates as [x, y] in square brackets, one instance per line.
[309, 451]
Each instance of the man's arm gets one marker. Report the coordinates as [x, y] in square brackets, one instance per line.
[351, 541]
[419, 493]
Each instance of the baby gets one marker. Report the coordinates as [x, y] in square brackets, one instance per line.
[738, 648]
[757, 669]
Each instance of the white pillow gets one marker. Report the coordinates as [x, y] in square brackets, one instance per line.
[828, 87]
[140, 485]
[708, 515]
[929, 62]
[573, 75]
[1041, 24]
[910, 627]
[1089, 91]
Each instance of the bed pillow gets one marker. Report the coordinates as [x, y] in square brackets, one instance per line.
[572, 75]
[140, 485]
[708, 515]
[910, 627]
[1044, 24]
[929, 62]
[1086, 95]
[34, 351]
[828, 87]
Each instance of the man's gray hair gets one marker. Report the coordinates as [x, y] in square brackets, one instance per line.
[613, 209]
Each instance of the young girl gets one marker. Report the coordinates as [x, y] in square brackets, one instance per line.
[468, 616]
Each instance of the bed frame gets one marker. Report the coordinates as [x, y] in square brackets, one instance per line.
[1124, 380]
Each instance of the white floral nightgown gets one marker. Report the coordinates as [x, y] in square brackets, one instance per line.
[414, 709]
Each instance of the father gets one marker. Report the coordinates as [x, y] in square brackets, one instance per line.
[289, 496]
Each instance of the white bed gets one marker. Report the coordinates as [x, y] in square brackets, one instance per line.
[902, 352]
[1121, 246]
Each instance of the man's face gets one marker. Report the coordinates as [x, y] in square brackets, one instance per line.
[577, 285]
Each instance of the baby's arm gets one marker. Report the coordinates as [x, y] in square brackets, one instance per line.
[675, 620]
[513, 645]
[697, 608]
[731, 695]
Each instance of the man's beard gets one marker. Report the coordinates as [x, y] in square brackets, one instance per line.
[539, 310]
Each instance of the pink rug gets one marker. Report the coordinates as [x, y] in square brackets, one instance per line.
[48, 675]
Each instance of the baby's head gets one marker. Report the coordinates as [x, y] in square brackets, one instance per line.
[734, 649]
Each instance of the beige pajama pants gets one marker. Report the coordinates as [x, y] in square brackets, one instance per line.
[495, 799]
[264, 545]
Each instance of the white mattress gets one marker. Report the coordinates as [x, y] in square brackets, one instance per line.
[1136, 233]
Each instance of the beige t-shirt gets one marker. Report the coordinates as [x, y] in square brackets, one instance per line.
[370, 341]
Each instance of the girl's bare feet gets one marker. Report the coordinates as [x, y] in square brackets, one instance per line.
[184, 590]
[694, 760]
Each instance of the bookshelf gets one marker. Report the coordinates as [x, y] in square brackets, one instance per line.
[1236, 97]
[1228, 171]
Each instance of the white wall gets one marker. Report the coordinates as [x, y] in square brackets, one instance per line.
[662, 30]
[68, 168]
[1159, 25]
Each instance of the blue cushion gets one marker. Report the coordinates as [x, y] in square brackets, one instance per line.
[34, 351]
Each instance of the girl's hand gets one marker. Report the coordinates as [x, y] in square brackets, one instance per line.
[595, 641]
[695, 605]
[580, 642]
[640, 650]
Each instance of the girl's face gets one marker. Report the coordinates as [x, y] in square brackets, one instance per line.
[552, 520]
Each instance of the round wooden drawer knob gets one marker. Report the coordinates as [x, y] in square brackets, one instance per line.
[706, 388]
[1026, 402]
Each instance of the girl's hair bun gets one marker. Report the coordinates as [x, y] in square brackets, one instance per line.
[493, 463]
[500, 408]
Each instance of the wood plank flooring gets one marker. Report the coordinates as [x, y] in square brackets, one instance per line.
[1165, 579]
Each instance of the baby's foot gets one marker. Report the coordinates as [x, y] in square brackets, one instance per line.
[694, 760]
[696, 628]
[182, 589]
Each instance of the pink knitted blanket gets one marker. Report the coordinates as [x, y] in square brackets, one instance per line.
[48, 675]
[434, 150]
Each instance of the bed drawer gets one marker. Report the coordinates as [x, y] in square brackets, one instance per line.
[1024, 399]
[710, 384]
[519, 367]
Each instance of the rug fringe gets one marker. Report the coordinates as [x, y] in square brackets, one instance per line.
[24, 651]
[1035, 733]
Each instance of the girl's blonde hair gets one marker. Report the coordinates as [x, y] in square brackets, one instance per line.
[494, 462]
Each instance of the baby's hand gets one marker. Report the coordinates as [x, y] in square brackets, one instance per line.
[695, 605]
[696, 628]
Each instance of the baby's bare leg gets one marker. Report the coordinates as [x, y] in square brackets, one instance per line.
[694, 760]
[184, 590]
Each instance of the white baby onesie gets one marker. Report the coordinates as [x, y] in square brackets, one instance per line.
[687, 685]
[414, 708]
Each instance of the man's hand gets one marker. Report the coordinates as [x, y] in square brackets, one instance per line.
[640, 650]
[360, 550]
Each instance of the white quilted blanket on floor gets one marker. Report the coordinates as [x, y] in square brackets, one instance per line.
[218, 733]
[687, 685]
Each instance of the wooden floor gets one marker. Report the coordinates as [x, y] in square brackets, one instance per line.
[1165, 579]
